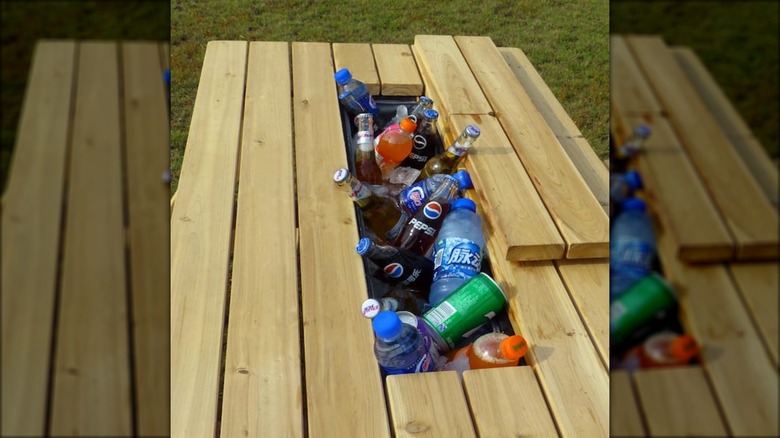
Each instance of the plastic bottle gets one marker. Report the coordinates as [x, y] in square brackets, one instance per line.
[633, 145]
[416, 114]
[366, 169]
[354, 95]
[632, 247]
[458, 250]
[394, 145]
[380, 214]
[621, 187]
[667, 349]
[398, 266]
[414, 196]
[399, 348]
[448, 161]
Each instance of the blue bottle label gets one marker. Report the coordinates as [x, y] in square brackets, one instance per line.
[633, 258]
[414, 196]
[423, 364]
[456, 257]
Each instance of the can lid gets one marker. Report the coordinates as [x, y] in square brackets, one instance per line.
[464, 179]
[370, 308]
[684, 347]
[463, 203]
[431, 114]
[634, 204]
[342, 76]
[387, 325]
[408, 125]
[340, 176]
[407, 317]
[473, 130]
[633, 179]
[514, 347]
[363, 245]
[641, 130]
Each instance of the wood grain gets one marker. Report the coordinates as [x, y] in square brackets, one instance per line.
[678, 402]
[628, 88]
[576, 146]
[263, 390]
[625, 418]
[31, 218]
[429, 405]
[507, 402]
[201, 239]
[344, 392]
[359, 59]
[750, 217]
[91, 392]
[582, 221]
[397, 70]
[758, 284]
[742, 139]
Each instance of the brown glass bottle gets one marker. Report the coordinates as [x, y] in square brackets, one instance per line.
[366, 168]
[380, 214]
[448, 161]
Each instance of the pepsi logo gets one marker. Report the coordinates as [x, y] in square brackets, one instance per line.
[394, 270]
[432, 210]
[420, 142]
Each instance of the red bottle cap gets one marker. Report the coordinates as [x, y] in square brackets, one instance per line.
[514, 347]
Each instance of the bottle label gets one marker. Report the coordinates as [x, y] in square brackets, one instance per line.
[365, 140]
[423, 364]
[414, 196]
[458, 149]
[632, 258]
[360, 193]
[367, 104]
[456, 257]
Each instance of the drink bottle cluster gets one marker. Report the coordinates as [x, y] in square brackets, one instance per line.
[420, 238]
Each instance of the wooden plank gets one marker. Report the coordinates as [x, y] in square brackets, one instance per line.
[344, 392]
[446, 73]
[507, 193]
[587, 282]
[428, 404]
[360, 62]
[743, 378]
[592, 169]
[31, 218]
[397, 70]
[749, 149]
[200, 239]
[91, 387]
[678, 402]
[625, 419]
[146, 157]
[580, 218]
[262, 390]
[752, 220]
[165, 56]
[758, 284]
[670, 181]
[507, 402]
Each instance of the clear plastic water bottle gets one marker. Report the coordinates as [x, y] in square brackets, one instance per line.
[632, 247]
[414, 196]
[622, 186]
[457, 251]
[399, 348]
[634, 143]
[354, 95]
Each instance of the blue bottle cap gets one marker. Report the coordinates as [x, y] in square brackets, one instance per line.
[343, 76]
[167, 76]
[633, 179]
[363, 245]
[634, 204]
[387, 325]
[431, 113]
[464, 180]
[464, 203]
[426, 100]
[472, 130]
[642, 130]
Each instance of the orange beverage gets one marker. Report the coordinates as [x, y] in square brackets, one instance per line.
[395, 145]
[495, 350]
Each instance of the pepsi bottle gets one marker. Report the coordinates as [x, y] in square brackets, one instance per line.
[424, 141]
[414, 196]
[420, 231]
[398, 266]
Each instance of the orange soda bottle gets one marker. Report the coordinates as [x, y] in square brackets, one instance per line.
[491, 350]
[667, 349]
[395, 145]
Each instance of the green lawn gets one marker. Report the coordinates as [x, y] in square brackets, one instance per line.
[566, 41]
[736, 41]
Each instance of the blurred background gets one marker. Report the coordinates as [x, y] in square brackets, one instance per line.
[25, 22]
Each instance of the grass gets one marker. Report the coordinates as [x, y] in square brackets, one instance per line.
[25, 22]
[566, 41]
[736, 41]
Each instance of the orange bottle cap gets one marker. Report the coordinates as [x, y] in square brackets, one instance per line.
[408, 125]
[684, 347]
[514, 347]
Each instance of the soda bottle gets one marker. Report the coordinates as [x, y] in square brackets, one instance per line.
[424, 146]
[399, 348]
[491, 350]
[398, 266]
[414, 196]
[394, 146]
[634, 143]
[667, 349]
[354, 95]
[621, 187]
[380, 214]
[458, 249]
[420, 231]
[448, 161]
[423, 103]
[632, 247]
[366, 169]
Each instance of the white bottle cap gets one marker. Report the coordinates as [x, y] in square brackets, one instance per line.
[370, 308]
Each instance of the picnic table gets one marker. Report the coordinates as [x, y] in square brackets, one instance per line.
[713, 193]
[84, 245]
[266, 339]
